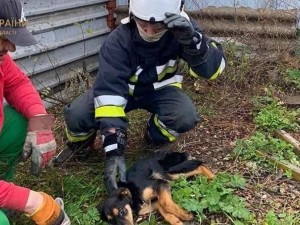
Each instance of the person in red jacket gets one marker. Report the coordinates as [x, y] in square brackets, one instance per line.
[25, 126]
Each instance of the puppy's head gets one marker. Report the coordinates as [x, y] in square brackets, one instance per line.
[117, 207]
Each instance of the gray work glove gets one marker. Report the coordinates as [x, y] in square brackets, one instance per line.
[180, 27]
[114, 143]
[115, 161]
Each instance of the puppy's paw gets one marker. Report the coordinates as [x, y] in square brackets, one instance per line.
[176, 222]
[186, 216]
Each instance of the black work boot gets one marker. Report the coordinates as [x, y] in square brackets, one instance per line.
[155, 146]
[74, 151]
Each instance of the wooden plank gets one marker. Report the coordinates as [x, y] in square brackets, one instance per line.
[283, 135]
[290, 100]
[284, 166]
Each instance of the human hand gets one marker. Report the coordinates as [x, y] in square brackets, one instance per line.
[39, 143]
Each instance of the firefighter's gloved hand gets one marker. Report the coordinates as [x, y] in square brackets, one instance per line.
[50, 212]
[180, 27]
[114, 143]
[115, 162]
[39, 143]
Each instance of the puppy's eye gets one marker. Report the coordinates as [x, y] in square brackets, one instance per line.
[122, 212]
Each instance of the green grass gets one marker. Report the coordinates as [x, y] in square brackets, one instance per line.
[279, 149]
[284, 218]
[80, 186]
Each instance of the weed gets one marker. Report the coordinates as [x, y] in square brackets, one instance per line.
[281, 150]
[273, 117]
[81, 191]
[151, 221]
[183, 67]
[217, 196]
[80, 196]
[260, 102]
[238, 61]
[288, 173]
[282, 218]
[293, 76]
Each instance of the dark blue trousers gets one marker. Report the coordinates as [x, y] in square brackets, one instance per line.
[172, 111]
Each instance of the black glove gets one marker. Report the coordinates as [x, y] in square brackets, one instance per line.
[180, 27]
[194, 47]
[114, 145]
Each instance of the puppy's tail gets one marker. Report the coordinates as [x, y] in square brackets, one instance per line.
[184, 167]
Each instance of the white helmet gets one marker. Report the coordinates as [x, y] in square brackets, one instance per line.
[154, 10]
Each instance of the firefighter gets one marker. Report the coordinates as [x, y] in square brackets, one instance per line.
[138, 69]
[25, 126]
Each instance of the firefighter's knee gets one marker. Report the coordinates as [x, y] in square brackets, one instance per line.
[80, 114]
[79, 120]
[185, 120]
[72, 117]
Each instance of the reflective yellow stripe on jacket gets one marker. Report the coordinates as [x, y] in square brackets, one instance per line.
[169, 67]
[214, 76]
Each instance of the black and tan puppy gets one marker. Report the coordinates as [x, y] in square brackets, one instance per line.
[148, 189]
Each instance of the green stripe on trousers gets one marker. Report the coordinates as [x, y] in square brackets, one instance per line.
[12, 139]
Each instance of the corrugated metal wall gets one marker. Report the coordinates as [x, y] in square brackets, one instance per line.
[69, 32]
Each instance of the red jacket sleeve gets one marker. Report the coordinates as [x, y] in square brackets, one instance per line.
[19, 91]
[13, 197]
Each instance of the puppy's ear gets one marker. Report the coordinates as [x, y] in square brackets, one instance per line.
[100, 208]
[123, 193]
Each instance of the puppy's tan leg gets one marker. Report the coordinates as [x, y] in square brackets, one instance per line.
[171, 218]
[203, 170]
[167, 204]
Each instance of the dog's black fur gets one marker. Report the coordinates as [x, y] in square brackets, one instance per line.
[148, 180]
